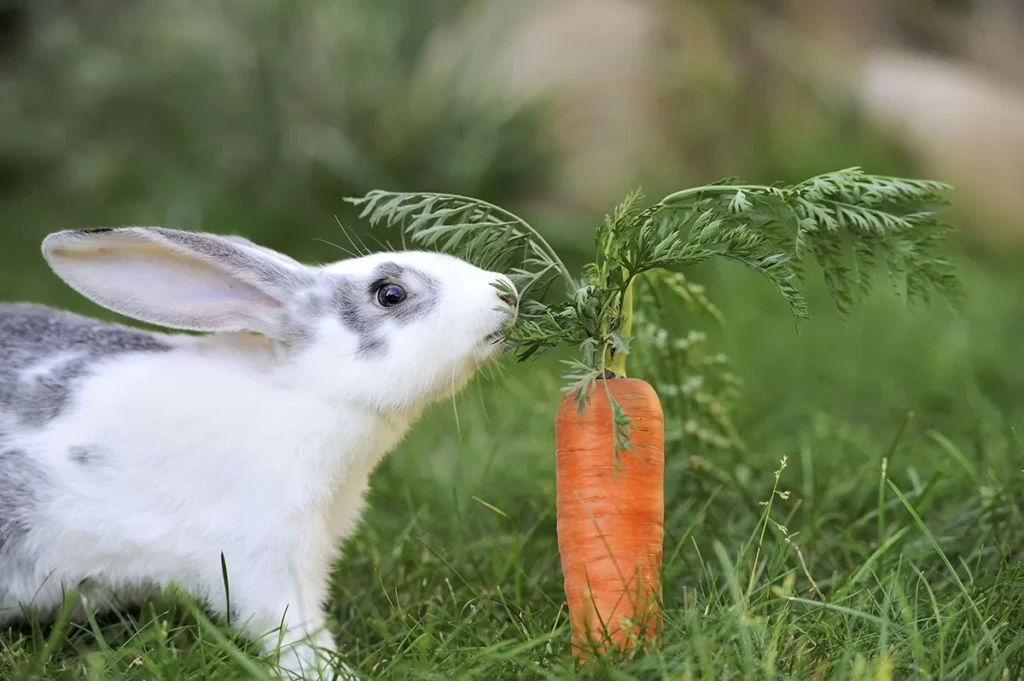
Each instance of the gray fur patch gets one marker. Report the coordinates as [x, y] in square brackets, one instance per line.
[44, 351]
[354, 302]
[241, 257]
[21, 483]
[84, 455]
[310, 305]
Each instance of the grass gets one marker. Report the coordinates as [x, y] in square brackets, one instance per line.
[848, 541]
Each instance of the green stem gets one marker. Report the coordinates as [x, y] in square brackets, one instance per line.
[618, 365]
[534, 234]
[683, 195]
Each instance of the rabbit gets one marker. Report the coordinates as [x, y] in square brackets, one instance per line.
[132, 459]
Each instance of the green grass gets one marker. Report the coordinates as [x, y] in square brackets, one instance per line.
[890, 548]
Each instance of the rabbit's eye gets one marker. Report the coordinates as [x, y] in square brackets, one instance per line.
[390, 295]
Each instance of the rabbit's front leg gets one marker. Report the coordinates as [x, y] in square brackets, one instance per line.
[282, 610]
[308, 655]
[306, 650]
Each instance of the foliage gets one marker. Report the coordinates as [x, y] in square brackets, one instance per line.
[845, 221]
[698, 388]
[254, 115]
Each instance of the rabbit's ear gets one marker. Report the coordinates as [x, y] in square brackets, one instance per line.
[287, 260]
[181, 280]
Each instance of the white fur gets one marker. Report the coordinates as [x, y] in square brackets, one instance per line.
[237, 443]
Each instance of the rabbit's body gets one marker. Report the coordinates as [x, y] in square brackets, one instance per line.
[273, 444]
[132, 460]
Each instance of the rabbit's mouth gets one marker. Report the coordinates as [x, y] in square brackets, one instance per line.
[491, 345]
[498, 335]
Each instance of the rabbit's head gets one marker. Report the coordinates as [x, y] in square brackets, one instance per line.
[393, 330]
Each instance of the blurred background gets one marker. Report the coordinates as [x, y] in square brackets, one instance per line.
[261, 116]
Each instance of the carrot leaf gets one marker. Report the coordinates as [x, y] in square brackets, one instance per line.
[847, 223]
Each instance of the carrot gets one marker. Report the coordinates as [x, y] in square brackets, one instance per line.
[610, 511]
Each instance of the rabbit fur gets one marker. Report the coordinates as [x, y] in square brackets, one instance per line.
[131, 460]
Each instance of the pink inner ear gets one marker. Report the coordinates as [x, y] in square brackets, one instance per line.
[160, 286]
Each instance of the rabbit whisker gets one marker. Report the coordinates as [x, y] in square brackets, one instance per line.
[348, 233]
[340, 248]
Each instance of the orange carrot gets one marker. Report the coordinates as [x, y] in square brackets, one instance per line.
[611, 513]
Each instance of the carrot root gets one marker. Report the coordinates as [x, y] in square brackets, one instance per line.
[611, 516]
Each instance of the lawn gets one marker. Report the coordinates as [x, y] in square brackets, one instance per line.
[846, 539]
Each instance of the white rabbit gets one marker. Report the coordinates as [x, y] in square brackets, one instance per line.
[131, 460]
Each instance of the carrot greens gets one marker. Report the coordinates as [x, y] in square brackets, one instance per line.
[845, 222]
